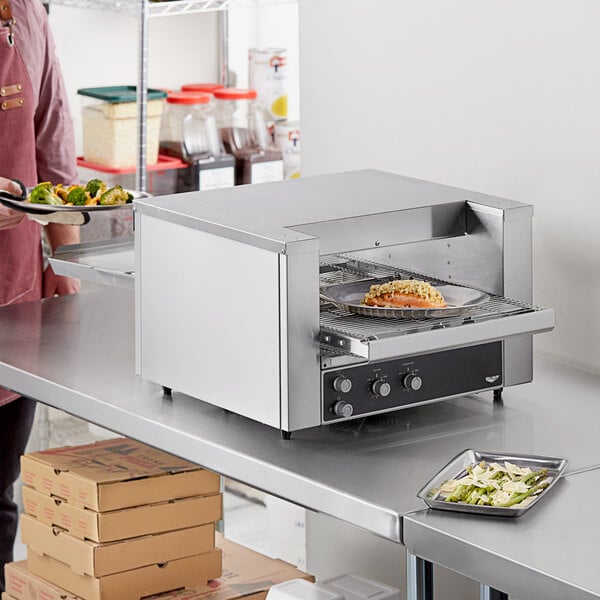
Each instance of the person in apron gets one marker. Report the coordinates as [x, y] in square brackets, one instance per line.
[36, 144]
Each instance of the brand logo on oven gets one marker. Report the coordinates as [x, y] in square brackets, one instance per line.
[492, 378]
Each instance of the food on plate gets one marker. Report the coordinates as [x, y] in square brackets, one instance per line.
[95, 187]
[404, 293]
[115, 195]
[493, 484]
[95, 192]
[44, 193]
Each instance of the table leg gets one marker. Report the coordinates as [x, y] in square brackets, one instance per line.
[488, 593]
[419, 578]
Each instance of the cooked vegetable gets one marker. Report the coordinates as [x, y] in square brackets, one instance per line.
[96, 187]
[92, 194]
[494, 485]
[43, 193]
[116, 195]
[77, 196]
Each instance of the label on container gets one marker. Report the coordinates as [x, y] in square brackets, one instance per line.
[215, 179]
[268, 76]
[287, 139]
[266, 172]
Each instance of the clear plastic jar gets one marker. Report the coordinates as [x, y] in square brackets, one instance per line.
[189, 129]
[244, 133]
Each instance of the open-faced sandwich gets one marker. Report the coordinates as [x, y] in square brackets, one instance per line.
[404, 293]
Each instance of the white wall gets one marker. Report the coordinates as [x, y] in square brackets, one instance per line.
[501, 97]
[99, 48]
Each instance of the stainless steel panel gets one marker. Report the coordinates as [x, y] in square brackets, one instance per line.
[265, 214]
[209, 318]
[109, 262]
[412, 338]
[388, 228]
[550, 553]
[300, 363]
[76, 353]
[518, 283]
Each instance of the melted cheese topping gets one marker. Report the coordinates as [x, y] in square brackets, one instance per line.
[406, 286]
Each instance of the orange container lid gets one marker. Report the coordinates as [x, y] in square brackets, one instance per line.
[188, 98]
[235, 94]
[201, 87]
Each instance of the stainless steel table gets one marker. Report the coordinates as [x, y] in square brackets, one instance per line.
[552, 552]
[77, 354]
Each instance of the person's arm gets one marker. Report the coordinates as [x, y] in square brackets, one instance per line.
[60, 235]
[56, 156]
[9, 218]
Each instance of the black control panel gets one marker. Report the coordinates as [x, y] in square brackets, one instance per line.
[363, 389]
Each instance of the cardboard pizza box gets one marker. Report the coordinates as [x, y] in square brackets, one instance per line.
[125, 523]
[91, 558]
[115, 474]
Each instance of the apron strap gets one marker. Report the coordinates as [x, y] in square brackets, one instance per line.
[5, 13]
[7, 19]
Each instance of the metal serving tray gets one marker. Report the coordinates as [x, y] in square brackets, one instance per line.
[456, 468]
[348, 297]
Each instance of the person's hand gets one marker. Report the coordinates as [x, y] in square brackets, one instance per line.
[10, 186]
[10, 218]
[56, 285]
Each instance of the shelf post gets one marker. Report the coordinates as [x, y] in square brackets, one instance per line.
[142, 92]
[224, 47]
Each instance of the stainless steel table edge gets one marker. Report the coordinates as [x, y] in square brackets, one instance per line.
[256, 473]
[420, 564]
[466, 555]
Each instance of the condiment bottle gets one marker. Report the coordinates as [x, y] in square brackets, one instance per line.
[189, 131]
[244, 133]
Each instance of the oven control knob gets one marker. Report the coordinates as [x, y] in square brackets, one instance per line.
[342, 384]
[381, 387]
[343, 409]
[412, 382]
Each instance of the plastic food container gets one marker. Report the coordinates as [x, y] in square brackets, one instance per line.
[110, 135]
[287, 139]
[189, 131]
[267, 71]
[244, 132]
[161, 177]
[188, 127]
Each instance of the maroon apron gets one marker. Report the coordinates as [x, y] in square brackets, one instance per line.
[20, 247]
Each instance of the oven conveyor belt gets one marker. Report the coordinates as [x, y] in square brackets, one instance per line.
[352, 332]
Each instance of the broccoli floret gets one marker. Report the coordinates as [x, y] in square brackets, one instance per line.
[77, 196]
[43, 193]
[116, 195]
[96, 187]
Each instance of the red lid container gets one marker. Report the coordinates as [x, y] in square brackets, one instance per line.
[188, 98]
[201, 87]
[235, 94]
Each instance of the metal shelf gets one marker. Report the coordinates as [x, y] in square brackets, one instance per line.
[146, 9]
[168, 7]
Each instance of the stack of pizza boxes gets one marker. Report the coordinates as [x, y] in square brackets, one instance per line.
[118, 520]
